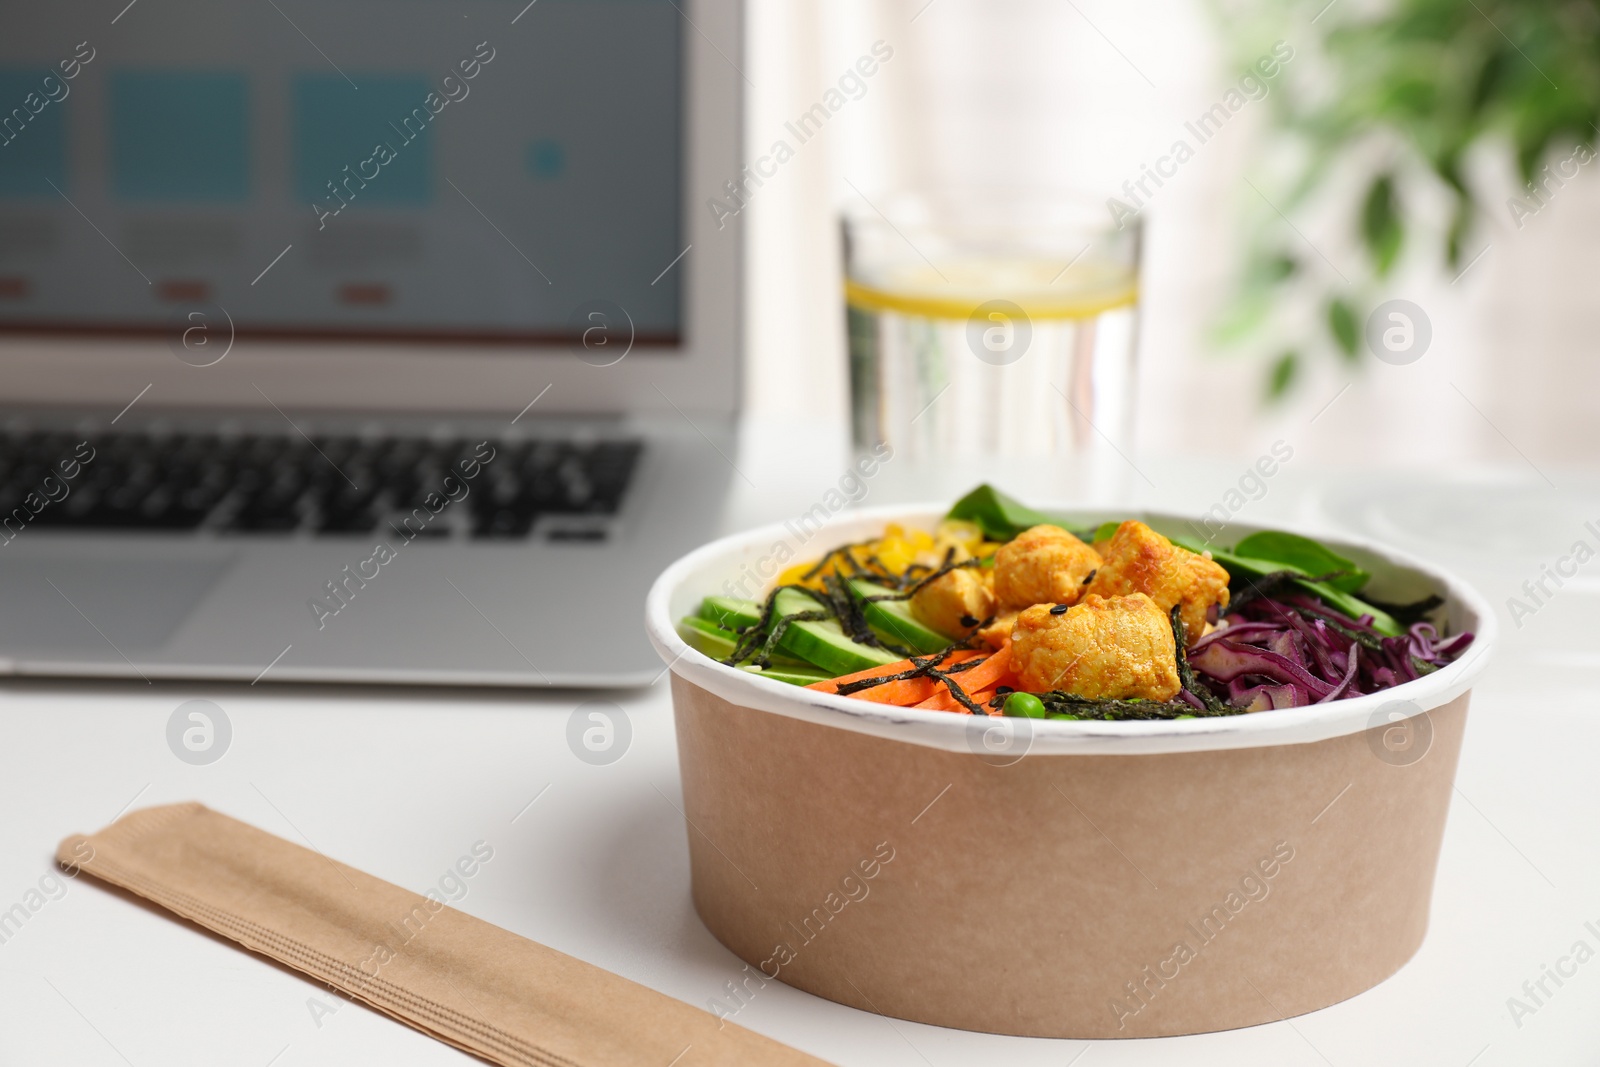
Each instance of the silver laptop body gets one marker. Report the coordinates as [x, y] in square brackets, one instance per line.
[354, 479]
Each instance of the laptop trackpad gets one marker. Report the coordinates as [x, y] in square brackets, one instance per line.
[65, 604]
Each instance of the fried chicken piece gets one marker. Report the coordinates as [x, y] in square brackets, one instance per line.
[1042, 565]
[995, 634]
[1139, 560]
[948, 600]
[1100, 648]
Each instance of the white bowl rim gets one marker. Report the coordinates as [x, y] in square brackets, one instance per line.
[966, 733]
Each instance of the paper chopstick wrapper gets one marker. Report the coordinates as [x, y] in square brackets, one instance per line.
[456, 978]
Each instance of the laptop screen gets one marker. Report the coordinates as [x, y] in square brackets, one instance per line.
[477, 170]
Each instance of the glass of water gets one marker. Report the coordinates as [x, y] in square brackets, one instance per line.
[990, 324]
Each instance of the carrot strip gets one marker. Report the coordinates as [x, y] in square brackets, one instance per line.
[943, 701]
[989, 673]
[980, 683]
[906, 693]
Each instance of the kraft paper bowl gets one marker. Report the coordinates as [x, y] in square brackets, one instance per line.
[1052, 878]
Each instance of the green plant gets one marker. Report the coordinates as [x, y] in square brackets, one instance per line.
[1398, 97]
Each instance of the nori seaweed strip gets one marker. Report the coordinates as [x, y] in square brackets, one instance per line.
[908, 586]
[856, 569]
[847, 609]
[920, 669]
[1214, 704]
[1371, 642]
[874, 569]
[751, 637]
[883, 573]
[1409, 614]
[950, 564]
[1264, 586]
[906, 583]
[844, 607]
[945, 568]
[847, 549]
[909, 574]
[1365, 640]
[1085, 708]
[956, 691]
[764, 658]
[900, 583]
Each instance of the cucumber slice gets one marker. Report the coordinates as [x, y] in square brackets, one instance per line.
[730, 612]
[705, 636]
[822, 641]
[817, 643]
[896, 620]
[792, 675]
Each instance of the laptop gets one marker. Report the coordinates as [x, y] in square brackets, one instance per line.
[348, 342]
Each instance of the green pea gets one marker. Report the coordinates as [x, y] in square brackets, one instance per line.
[1025, 705]
[1062, 715]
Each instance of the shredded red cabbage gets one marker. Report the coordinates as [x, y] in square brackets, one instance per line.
[1294, 650]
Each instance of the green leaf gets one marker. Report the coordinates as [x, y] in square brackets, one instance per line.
[1266, 270]
[1105, 530]
[1350, 605]
[1342, 324]
[1415, 96]
[1284, 370]
[1435, 82]
[1304, 554]
[999, 516]
[1248, 311]
[1460, 227]
[1491, 79]
[1381, 227]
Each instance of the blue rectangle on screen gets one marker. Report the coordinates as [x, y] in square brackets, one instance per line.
[32, 132]
[373, 145]
[180, 136]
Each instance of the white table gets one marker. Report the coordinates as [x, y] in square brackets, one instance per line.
[402, 783]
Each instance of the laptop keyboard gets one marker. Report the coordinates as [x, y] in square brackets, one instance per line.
[329, 485]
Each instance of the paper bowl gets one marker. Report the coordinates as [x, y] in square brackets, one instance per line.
[1052, 878]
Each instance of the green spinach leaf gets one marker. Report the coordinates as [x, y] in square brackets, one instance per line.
[1304, 554]
[999, 516]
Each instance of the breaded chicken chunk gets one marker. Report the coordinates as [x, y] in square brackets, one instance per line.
[1042, 565]
[1100, 648]
[954, 603]
[1139, 560]
[999, 631]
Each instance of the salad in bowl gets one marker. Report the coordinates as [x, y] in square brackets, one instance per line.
[941, 679]
[1002, 610]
